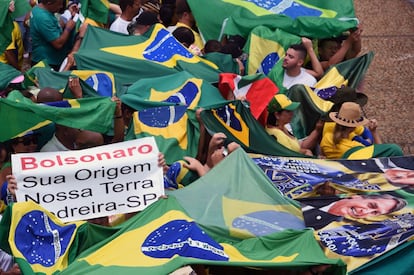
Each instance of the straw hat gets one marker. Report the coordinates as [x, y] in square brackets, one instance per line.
[349, 115]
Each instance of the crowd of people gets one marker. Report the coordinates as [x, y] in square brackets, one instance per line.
[53, 30]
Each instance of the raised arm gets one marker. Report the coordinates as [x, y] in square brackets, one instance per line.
[317, 70]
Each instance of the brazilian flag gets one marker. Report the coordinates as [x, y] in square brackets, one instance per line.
[166, 110]
[347, 73]
[40, 242]
[236, 121]
[180, 88]
[94, 114]
[237, 220]
[310, 18]
[131, 58]
[169, 125]
[93, 83]
[266, 48]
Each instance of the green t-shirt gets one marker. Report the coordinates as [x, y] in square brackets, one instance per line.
[44, 28]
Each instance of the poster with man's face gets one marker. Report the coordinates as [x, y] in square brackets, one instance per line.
[358, 228]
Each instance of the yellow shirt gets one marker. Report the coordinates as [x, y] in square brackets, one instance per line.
[16, 44]
[332, 151]
[288, 141]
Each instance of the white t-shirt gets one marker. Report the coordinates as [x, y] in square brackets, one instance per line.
[120, 25]
[54, 145]
[303, 78]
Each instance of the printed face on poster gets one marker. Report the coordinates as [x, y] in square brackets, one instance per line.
[101, 181]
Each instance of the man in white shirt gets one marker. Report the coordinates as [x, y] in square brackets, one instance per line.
[293, 62]
[130, 10]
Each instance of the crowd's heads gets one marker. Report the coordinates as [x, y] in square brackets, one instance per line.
[26, 143]
[328, 47]
[124, 4]
[184, 14]
[347, 94]
[146, 18]
[53, 5]
[349, 115]
[4, 152]
[16, 83]
[88, 139]
[48, 94]
[181, 7]
[233, 49]
[184, 35]
[277, 104]
[281, 102]
[239, 40]
[71, 3]
[167, 14]
[212, 46]
[151, 6]
[295, 56]
[143, 23]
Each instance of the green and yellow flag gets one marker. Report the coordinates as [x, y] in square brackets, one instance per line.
[311, 18]
[236, 121]
[97, 10]
[266, 47]
[93, 83]
[94, 114]
[166, 110]
[131, 58]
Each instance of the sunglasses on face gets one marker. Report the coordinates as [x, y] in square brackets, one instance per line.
[27, 141]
